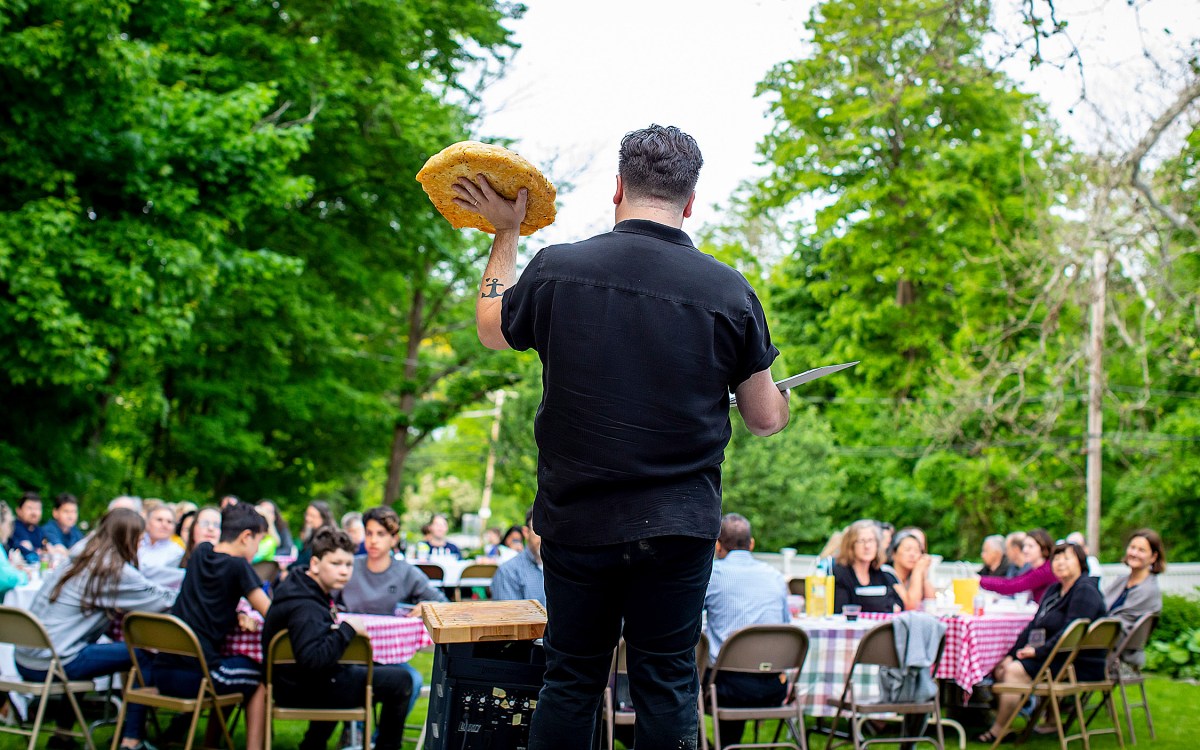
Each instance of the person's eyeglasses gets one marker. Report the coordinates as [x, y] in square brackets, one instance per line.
[209, 525]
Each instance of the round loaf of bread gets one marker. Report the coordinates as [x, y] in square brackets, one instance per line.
[506, 171]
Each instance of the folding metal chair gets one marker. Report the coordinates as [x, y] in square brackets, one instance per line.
[166, 634]
[759, 649]
[21, 629]
[878, 648]
[1127, 675]
[358, 652]
[1048, 684]
[615, 715]
[268, 571]
[1102, 636]
[477, 574]
[435, 573]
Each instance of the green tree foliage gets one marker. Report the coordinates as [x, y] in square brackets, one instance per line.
[217, 272]
[936, 241]
[921, 168]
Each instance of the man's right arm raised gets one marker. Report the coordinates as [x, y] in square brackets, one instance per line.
[501, 271]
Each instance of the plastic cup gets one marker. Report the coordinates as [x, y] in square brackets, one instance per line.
[851, 611]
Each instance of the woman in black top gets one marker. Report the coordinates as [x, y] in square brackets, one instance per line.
[857, 578]
[1074, 597]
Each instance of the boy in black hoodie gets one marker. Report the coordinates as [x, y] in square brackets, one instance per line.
[303, 605]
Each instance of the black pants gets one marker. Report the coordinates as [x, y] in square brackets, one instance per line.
[391, 688]
[736, 690]
[655, 588]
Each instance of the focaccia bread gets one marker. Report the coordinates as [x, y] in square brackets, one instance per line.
[507, 173]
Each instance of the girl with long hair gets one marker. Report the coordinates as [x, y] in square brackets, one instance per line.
[78, 603]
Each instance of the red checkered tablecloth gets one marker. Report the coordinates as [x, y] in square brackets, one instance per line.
[394, 640]
[974, 645]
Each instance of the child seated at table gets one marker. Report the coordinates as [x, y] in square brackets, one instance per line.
[380, 582]
[303, 606]
[217, 578]
[76, 604]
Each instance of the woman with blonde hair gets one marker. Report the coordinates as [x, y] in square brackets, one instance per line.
[857, 578]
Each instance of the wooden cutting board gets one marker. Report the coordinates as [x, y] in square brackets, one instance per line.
[471, 622]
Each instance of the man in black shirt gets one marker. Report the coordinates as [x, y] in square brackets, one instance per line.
[641, 338]
[217, 578]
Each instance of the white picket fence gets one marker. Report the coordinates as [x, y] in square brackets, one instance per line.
[1179, 578]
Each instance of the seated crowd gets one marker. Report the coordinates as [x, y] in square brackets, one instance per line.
[881, 571]
[197, 563]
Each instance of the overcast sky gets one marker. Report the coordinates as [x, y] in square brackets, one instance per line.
[589, 72]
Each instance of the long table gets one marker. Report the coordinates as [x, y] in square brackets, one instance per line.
[974, 645]
[394, 640]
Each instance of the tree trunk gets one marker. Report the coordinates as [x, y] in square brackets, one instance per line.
[401, 445]
[396, 459]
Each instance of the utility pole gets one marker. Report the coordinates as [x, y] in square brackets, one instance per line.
[489, 475]
[1095, 421]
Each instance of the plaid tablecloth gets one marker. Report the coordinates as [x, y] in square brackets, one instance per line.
[394, 640]
[831, 645]
[974, 645]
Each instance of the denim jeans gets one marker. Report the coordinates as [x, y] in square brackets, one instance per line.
[98, 660]
[652, 591]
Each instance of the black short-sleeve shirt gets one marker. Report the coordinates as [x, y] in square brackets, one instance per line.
[641, 338]
[209, 596]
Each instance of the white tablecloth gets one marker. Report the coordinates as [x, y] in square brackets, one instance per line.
[453, 571]
[21, 597]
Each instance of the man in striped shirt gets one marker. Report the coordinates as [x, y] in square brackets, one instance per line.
[522, 577]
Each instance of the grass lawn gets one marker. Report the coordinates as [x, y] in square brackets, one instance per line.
[1176, 707]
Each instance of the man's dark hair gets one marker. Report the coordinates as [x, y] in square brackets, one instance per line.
[28, 497]
[660, 163]
[329, 539]
[238, 518]
[529, 517]
[385, 517]
[735, 532]
[65, 498]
